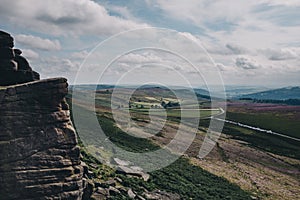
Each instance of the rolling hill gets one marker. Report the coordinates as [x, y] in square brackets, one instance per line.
[277, 94]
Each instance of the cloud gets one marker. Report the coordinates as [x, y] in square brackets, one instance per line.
[281, 3]
[123, 12]
[140, 61]
[221, 67]
[244, 38]
[213, 12]
[236, 49]
[250, 24]
[158, 61]
[68, 17]
[69, 65]
[246, 63]
[55, 66]
[30, 54]
[80, 55]
[38, 43]
[280, 54]
[140, 58]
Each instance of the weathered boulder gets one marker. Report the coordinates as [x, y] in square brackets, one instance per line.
[11, 77]
[7, 66]
[39, 156]
[14, 68]
[133, 171]
[6, 53]
[6, 40]
[161, 195]
[22, 63]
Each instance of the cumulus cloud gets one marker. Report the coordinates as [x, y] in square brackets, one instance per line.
[236, 49]
[246, 63]
[69, 65]
[80, 55]
[66, 17]
[280, 54]
[138, 61]
[30, 54]
[159, 62]
[55, 65]
[140, 58]
[38, 43]
[223, 67]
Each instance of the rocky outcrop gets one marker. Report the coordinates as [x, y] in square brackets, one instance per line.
[39, 156]
[125, 167]
[14, 68]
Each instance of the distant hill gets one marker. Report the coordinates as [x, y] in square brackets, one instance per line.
[201, 92]
[277, 94]
[234, 91]
[91, 87]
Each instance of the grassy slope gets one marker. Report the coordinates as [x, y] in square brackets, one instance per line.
[163, 179]
[177, 113]
[181, 177]
[193, 182]
[264, 141]
[269, 121]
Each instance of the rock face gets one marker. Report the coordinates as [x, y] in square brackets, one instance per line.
[39, 156]
[14, 68]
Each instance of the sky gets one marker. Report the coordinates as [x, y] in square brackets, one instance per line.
[254, 43]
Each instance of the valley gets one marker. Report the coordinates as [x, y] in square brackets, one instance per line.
[264, 166]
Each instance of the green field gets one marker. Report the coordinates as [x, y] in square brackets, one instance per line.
[263, 141]
[177, 113]
[269, 121]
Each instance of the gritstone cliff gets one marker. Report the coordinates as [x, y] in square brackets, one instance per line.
[39, 156]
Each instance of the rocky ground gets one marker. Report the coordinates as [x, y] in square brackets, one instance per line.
[109, 183]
